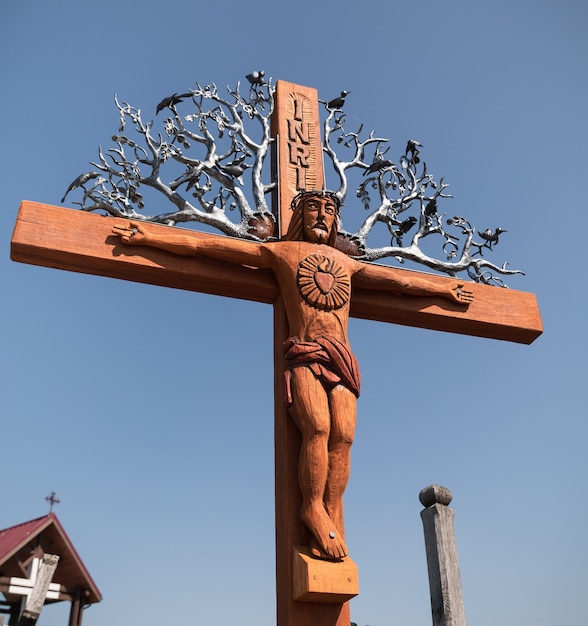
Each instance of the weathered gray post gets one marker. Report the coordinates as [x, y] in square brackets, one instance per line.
[36, 600]
[444, 579]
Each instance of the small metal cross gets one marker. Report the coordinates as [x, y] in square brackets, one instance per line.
[52, 500]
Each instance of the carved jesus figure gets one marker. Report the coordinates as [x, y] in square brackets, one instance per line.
[321, 382]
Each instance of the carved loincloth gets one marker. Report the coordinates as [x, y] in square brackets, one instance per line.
[330, 360]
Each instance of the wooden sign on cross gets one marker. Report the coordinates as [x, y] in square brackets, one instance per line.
[314, 288]
[37, 588]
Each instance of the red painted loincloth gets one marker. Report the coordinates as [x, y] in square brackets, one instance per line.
[331, 361]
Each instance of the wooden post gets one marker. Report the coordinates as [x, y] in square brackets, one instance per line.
[76, 609]
[444, 579]
[36, 600]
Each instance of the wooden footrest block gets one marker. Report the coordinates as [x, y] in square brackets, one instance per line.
[317, 580]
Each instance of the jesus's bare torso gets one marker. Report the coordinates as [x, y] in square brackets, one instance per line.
[316, 288]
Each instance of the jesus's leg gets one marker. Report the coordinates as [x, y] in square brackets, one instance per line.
[310, 410]
[342, 403]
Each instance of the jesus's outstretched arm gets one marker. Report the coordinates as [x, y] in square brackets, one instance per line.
[405, 282]
[189, 243]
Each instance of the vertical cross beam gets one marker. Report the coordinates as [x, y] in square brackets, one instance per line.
[299, 165]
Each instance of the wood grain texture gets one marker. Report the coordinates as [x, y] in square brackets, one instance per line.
[447, 606]
[298, 156]
[330, 582]
[72, 240]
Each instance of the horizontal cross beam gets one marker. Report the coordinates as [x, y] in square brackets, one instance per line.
[63, 594]
[73, 240]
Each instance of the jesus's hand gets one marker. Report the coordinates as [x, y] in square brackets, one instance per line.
[461, 294]
[133, 234]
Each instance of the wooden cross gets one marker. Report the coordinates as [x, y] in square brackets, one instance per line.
[24, 586]
[37, 588]
[310, 591]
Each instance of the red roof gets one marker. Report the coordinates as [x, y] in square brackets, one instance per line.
[46, 533]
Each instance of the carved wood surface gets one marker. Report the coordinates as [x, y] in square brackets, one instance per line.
[316, 580]
[290, 530]
[298, 160]
[81, 242]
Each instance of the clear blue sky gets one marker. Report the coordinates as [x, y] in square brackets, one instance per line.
[149, 411]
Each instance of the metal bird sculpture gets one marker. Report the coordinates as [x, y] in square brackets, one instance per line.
[491, 236]
[256, 78]
[171, 101]
[404, 227]
[80, 181]
[235, 169]
[430, 208]
[190, 176]
[378, 165]
[412, 147]
[339, 101]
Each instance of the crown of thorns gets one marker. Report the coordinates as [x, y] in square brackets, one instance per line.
[321, 193]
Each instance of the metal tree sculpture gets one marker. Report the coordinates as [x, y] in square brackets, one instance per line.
[231, 138]
[389, 191]
[203, 187]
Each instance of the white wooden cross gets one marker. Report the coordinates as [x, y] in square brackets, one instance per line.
[37, 588]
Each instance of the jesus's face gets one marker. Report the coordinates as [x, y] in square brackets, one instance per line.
[320, 213]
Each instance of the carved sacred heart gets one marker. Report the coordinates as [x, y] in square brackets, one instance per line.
[324, 280]
[323, 283]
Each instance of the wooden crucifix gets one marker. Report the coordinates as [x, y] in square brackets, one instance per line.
[314, 288]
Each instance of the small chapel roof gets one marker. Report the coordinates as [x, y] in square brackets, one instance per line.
[45, 535]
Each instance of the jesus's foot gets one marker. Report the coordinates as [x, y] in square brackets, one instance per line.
[328, 542]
